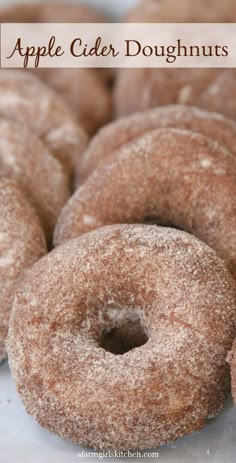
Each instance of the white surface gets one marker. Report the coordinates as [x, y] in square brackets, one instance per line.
[22, 441]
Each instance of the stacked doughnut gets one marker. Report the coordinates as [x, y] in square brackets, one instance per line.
[122, 336]
[178, 172]
[22, 243]
[26, 100]
[40, 144]
[118, 339]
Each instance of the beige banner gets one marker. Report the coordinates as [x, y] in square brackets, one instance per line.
[118, 45]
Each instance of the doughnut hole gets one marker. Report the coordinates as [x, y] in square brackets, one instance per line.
[124, 335]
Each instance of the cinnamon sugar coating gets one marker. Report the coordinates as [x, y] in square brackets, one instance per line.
[220, 96]
[173, 177]
[25, 158]
[86, 93]
[168, 282]
[22, 243]
[26, 99]
[138, 89]
[118, 133]
[233, 370]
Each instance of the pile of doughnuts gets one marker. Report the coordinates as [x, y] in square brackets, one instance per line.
[122, 336]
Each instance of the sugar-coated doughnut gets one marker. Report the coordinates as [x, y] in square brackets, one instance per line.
[138, 89]
[85, 92]
[220, 96]
[165, 297]
[25, 158]
[22, 243]
[173, 177]
[26, 99]
[118, 133]
[210, 11]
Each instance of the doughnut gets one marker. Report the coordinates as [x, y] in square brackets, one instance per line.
[210, 89]
[25, 159]
[138, 89]
[169, 176]
[170, 375]
[166, 11]
[118, 133]
[232, 360]
[85, 92]
[25, 99]
[220, 96]
[22, 243]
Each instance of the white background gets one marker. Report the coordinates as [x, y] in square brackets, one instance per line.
[22, 441]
